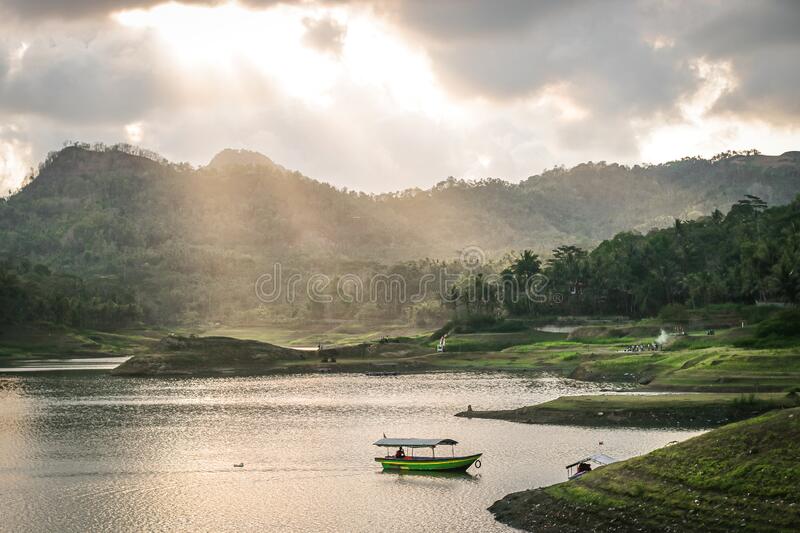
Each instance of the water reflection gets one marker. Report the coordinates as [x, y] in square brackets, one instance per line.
[89, 451]
[59, 365]
[463, 476]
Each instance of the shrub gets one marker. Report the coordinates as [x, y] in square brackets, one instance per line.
[479, 324]
[674, 313]
[784, 324]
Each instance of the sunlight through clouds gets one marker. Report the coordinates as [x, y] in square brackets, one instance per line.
[16, 58]
[379, 96]
[230, 38]
[14, 159]
[135, 132]
[556, 98]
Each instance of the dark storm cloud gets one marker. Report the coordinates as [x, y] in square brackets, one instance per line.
[762, 42]
[620, 60]
[75, 9]
[580, 46]
[468, 19]
[747, 26]
[767, 89]
[597, 53]
[78, 9]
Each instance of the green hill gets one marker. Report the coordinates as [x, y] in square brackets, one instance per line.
[85, 200]
[161, 241]
[741, 477]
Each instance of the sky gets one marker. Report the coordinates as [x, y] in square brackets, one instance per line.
[387, 95]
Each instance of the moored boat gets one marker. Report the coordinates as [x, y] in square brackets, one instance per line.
[584, 466]
[402, 461]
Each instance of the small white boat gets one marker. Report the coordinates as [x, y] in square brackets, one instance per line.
[579, 468]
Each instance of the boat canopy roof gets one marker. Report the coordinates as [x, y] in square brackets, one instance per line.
[600, 458]
[414, 443]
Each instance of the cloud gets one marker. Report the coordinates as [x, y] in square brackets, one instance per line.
[110, 76]
[15, 152]
[77, 9]
[39, 10]
[623, 62]
[381, 95]
[597, 53]
[325, 34]
[762, 43]
[135, 132]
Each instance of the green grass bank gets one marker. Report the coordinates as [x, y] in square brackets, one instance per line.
[740, 477]
[701, 410]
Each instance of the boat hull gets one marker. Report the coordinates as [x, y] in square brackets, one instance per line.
[429, 464]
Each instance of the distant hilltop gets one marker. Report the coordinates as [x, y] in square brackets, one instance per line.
[230, 157]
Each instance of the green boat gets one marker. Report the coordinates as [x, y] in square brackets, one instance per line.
[400, 461]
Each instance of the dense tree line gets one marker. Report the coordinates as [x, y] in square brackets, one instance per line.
[750, 255]
[32, 293]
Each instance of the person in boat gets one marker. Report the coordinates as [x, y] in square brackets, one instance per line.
[400, 453]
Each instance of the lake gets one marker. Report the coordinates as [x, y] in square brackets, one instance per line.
[86, 451]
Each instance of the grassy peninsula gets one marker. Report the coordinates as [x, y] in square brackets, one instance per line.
[741, 477]
[191, 355]
[700, 410]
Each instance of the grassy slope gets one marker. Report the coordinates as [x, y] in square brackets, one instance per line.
[21, 342]
[719, 363]
[495, 342]
[325, 332]
[216, 355]
[696, 410]
[694, 363]
[741, 477]
[45, 340]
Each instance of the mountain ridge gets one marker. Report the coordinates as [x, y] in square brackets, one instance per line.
[190, 242]
[230, 157]
[581, 205]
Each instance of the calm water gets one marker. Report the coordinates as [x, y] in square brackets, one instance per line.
[86, 451]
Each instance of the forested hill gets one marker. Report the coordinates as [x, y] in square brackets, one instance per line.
[93, 204]
[128, 235]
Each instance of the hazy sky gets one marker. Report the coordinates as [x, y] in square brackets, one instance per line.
[379, 95]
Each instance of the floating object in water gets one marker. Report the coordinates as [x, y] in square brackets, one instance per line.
[400, 461]
[240, 465]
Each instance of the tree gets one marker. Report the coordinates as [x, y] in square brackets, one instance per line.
[517, 279]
